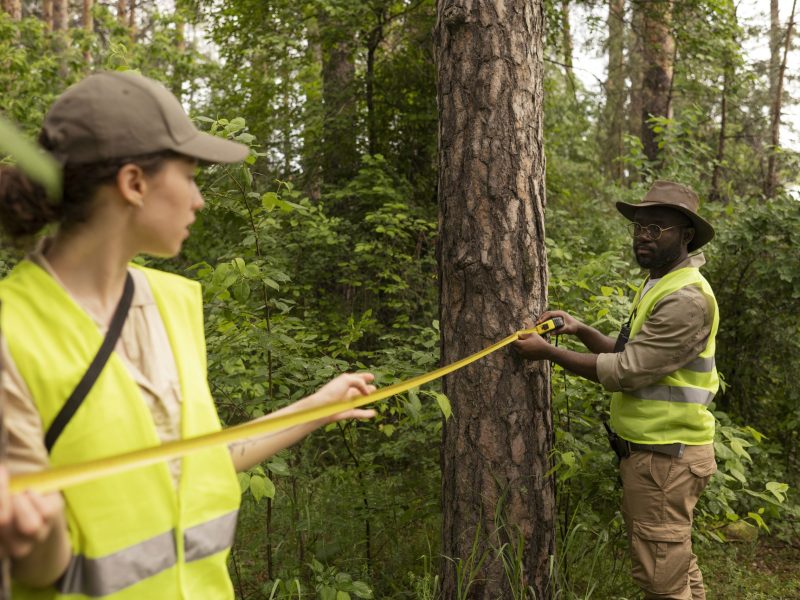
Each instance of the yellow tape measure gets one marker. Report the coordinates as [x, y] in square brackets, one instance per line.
[59, 478]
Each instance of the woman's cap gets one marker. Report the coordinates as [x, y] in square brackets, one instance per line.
[115, 114]
[678, 197]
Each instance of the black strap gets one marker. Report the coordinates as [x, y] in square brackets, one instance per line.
[95, 368]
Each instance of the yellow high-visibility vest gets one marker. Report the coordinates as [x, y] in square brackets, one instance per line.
[133, 535]
[675, 408]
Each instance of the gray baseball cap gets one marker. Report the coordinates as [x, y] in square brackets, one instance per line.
[114, 114]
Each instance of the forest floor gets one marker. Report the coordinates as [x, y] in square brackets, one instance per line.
[767, 569]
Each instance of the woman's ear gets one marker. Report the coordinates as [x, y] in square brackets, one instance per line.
[132, 184]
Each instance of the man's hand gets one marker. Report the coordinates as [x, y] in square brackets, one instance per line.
[533, 346]
[570, 326]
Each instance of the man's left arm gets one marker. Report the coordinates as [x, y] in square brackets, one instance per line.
[675, 333]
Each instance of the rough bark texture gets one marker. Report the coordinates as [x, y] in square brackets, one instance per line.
[493, 276]
[658, 54]
[615, 91]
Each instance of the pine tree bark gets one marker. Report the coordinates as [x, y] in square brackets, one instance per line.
[771, 182]
[658, 55]
[493, 276]
[615, 91]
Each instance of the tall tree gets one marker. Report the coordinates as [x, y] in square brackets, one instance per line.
[87, 17]
[122, 12]
[615, 90]
[13, 8]
[340, 154]
[635, 72]
[47, 14]
[60, 15]
[658, 56]
[776, 104]
[493, 276]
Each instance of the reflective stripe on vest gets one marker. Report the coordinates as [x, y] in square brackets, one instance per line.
[133, 535]
[673, 409]
[95, 577]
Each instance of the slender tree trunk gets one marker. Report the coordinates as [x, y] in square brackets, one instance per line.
[716, 193]
[771, 182]
[774, 45]
[493, 276]
[87, 19]
[122, 12]
[47, 14]
[635, 47]
[615, 91]
[13, 8]
[340, 154]
[659, 54]
[60, 15]
[374, 39]
[132, 17]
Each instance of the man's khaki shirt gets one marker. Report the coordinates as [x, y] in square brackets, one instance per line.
[143, 347]
[675, 333]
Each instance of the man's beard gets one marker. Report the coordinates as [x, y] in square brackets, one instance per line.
[658, 258]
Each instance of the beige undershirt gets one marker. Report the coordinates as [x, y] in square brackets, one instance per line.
[144, 349]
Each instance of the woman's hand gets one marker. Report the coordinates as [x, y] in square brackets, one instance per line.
[344, 387]
[26, 519]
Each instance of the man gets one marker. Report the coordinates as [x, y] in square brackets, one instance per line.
[662, 380]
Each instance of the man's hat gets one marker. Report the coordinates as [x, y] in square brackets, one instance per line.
[678, 197]
[119, 114]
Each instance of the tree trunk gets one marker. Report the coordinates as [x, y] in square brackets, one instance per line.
[87, 19]
[13, 8]
[771, 180]
[716, 193]
[60, 15]
[122, 12]
[340, 154]
[47, 14]
[132, 17]
[493, 276]
[774, 45]
[658, 54]
[636, 75]
[615, 91]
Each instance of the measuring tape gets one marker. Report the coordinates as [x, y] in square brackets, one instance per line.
[59, 478]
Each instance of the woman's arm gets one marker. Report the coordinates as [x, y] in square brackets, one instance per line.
[33, 533]
[249, 453]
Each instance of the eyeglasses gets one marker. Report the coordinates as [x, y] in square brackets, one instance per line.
[652, 231]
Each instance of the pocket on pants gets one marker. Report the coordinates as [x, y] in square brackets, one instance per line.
[703, 470]
[660, 556]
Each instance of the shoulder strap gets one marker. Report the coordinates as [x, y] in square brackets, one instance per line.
[95, 368]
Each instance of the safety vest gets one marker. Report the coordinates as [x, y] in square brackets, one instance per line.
[675, 408]
[133, 535]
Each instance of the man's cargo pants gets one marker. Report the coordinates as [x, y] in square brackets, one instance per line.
[659, 493]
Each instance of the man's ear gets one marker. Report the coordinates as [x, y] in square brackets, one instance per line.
[132, 184]
[688, 235]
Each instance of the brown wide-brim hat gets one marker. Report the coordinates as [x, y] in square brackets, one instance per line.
[114, 114]
[676, 196]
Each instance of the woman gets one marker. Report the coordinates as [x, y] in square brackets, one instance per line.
[129, 154]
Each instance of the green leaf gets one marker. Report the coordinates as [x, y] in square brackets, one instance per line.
[361, 589]
[340, 595]
[444, 404]
[261, 487]
[244, 481]
[32, 160]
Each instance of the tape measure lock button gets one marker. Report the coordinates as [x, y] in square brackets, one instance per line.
[549, 325]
